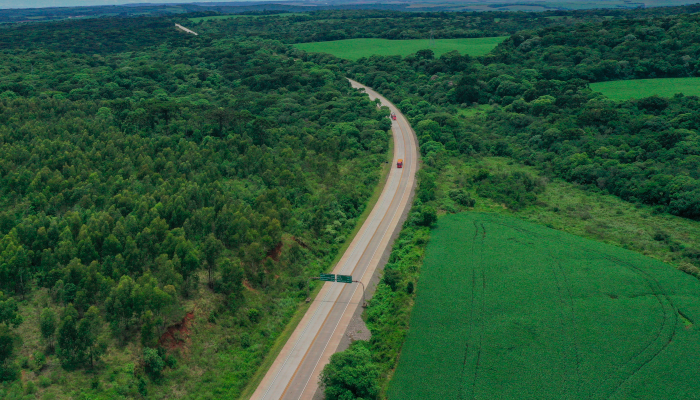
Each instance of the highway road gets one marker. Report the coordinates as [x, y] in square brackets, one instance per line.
[295, 372]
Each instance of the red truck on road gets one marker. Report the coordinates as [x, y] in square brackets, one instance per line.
[393, 116]
[399, 163]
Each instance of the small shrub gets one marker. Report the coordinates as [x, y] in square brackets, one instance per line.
[142, 387]
[38, 362]
[661, 236]
[392, 278]
[254, 315]
[244, 338]
[44, 382]
[29, 388]
[461, 197]
[153, 363]
[170, 361]
[409, 287]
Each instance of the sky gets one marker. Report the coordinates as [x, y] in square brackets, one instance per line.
[75, 3]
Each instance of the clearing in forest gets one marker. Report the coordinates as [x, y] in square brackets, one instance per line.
[353, 49]
[507, 309]
[641, 88]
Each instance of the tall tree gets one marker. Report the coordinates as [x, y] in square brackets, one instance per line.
[212, 248]
[48, 323]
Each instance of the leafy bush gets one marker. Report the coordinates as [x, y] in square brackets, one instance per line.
[514, 189]
[461, 197]
[153, 363]
[351, 374]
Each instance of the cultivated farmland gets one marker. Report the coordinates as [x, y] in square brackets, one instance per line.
[507, 309]
[640, 88]
[354, 49]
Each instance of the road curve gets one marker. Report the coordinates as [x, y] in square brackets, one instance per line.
[295, 372]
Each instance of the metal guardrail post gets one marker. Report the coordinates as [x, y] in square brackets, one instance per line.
[308, 288]
[364, 302]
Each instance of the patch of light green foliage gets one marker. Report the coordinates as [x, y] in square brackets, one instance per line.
[353, 49]
[507, 309]
[641, 88]
[217, 17]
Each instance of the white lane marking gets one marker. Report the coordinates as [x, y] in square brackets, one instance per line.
[363, 273]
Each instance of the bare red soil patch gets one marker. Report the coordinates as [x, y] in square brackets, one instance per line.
[178, 334]
[275, 252]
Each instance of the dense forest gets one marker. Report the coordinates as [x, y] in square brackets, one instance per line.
[129, 181]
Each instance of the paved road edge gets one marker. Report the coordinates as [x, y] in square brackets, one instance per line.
[336, 344]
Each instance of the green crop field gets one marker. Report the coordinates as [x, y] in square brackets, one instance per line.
[507, 309]
[353, 49]
[640, 88]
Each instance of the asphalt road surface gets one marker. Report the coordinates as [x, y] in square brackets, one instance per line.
[294, 374]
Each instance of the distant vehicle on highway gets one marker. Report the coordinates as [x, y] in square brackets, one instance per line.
[399, 164]
[393, 116]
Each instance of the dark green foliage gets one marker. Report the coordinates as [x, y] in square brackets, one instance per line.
[516, 190]
[351, 375]
[391, 278]
[427, 216]
[153, 363]
[9, 317]
[47, 325]
[142, 386]
[149, 326]
[8, 370]
[212, 248]
[78, 343]
[410, 287]
[69, 349]
[9, 312]
[462, 198]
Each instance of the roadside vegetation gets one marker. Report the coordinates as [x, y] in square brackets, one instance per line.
[353, 49]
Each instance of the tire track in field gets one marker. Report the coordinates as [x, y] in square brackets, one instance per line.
[477, 316]
[573, 330]
[655, 286]
[471, 311]
[610, 386]
[483, 311]
[639, 358]
[568, 320]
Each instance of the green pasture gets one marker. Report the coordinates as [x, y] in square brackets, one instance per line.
[640, 88]
[353, 49]
[217, 17]
[507, 309]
